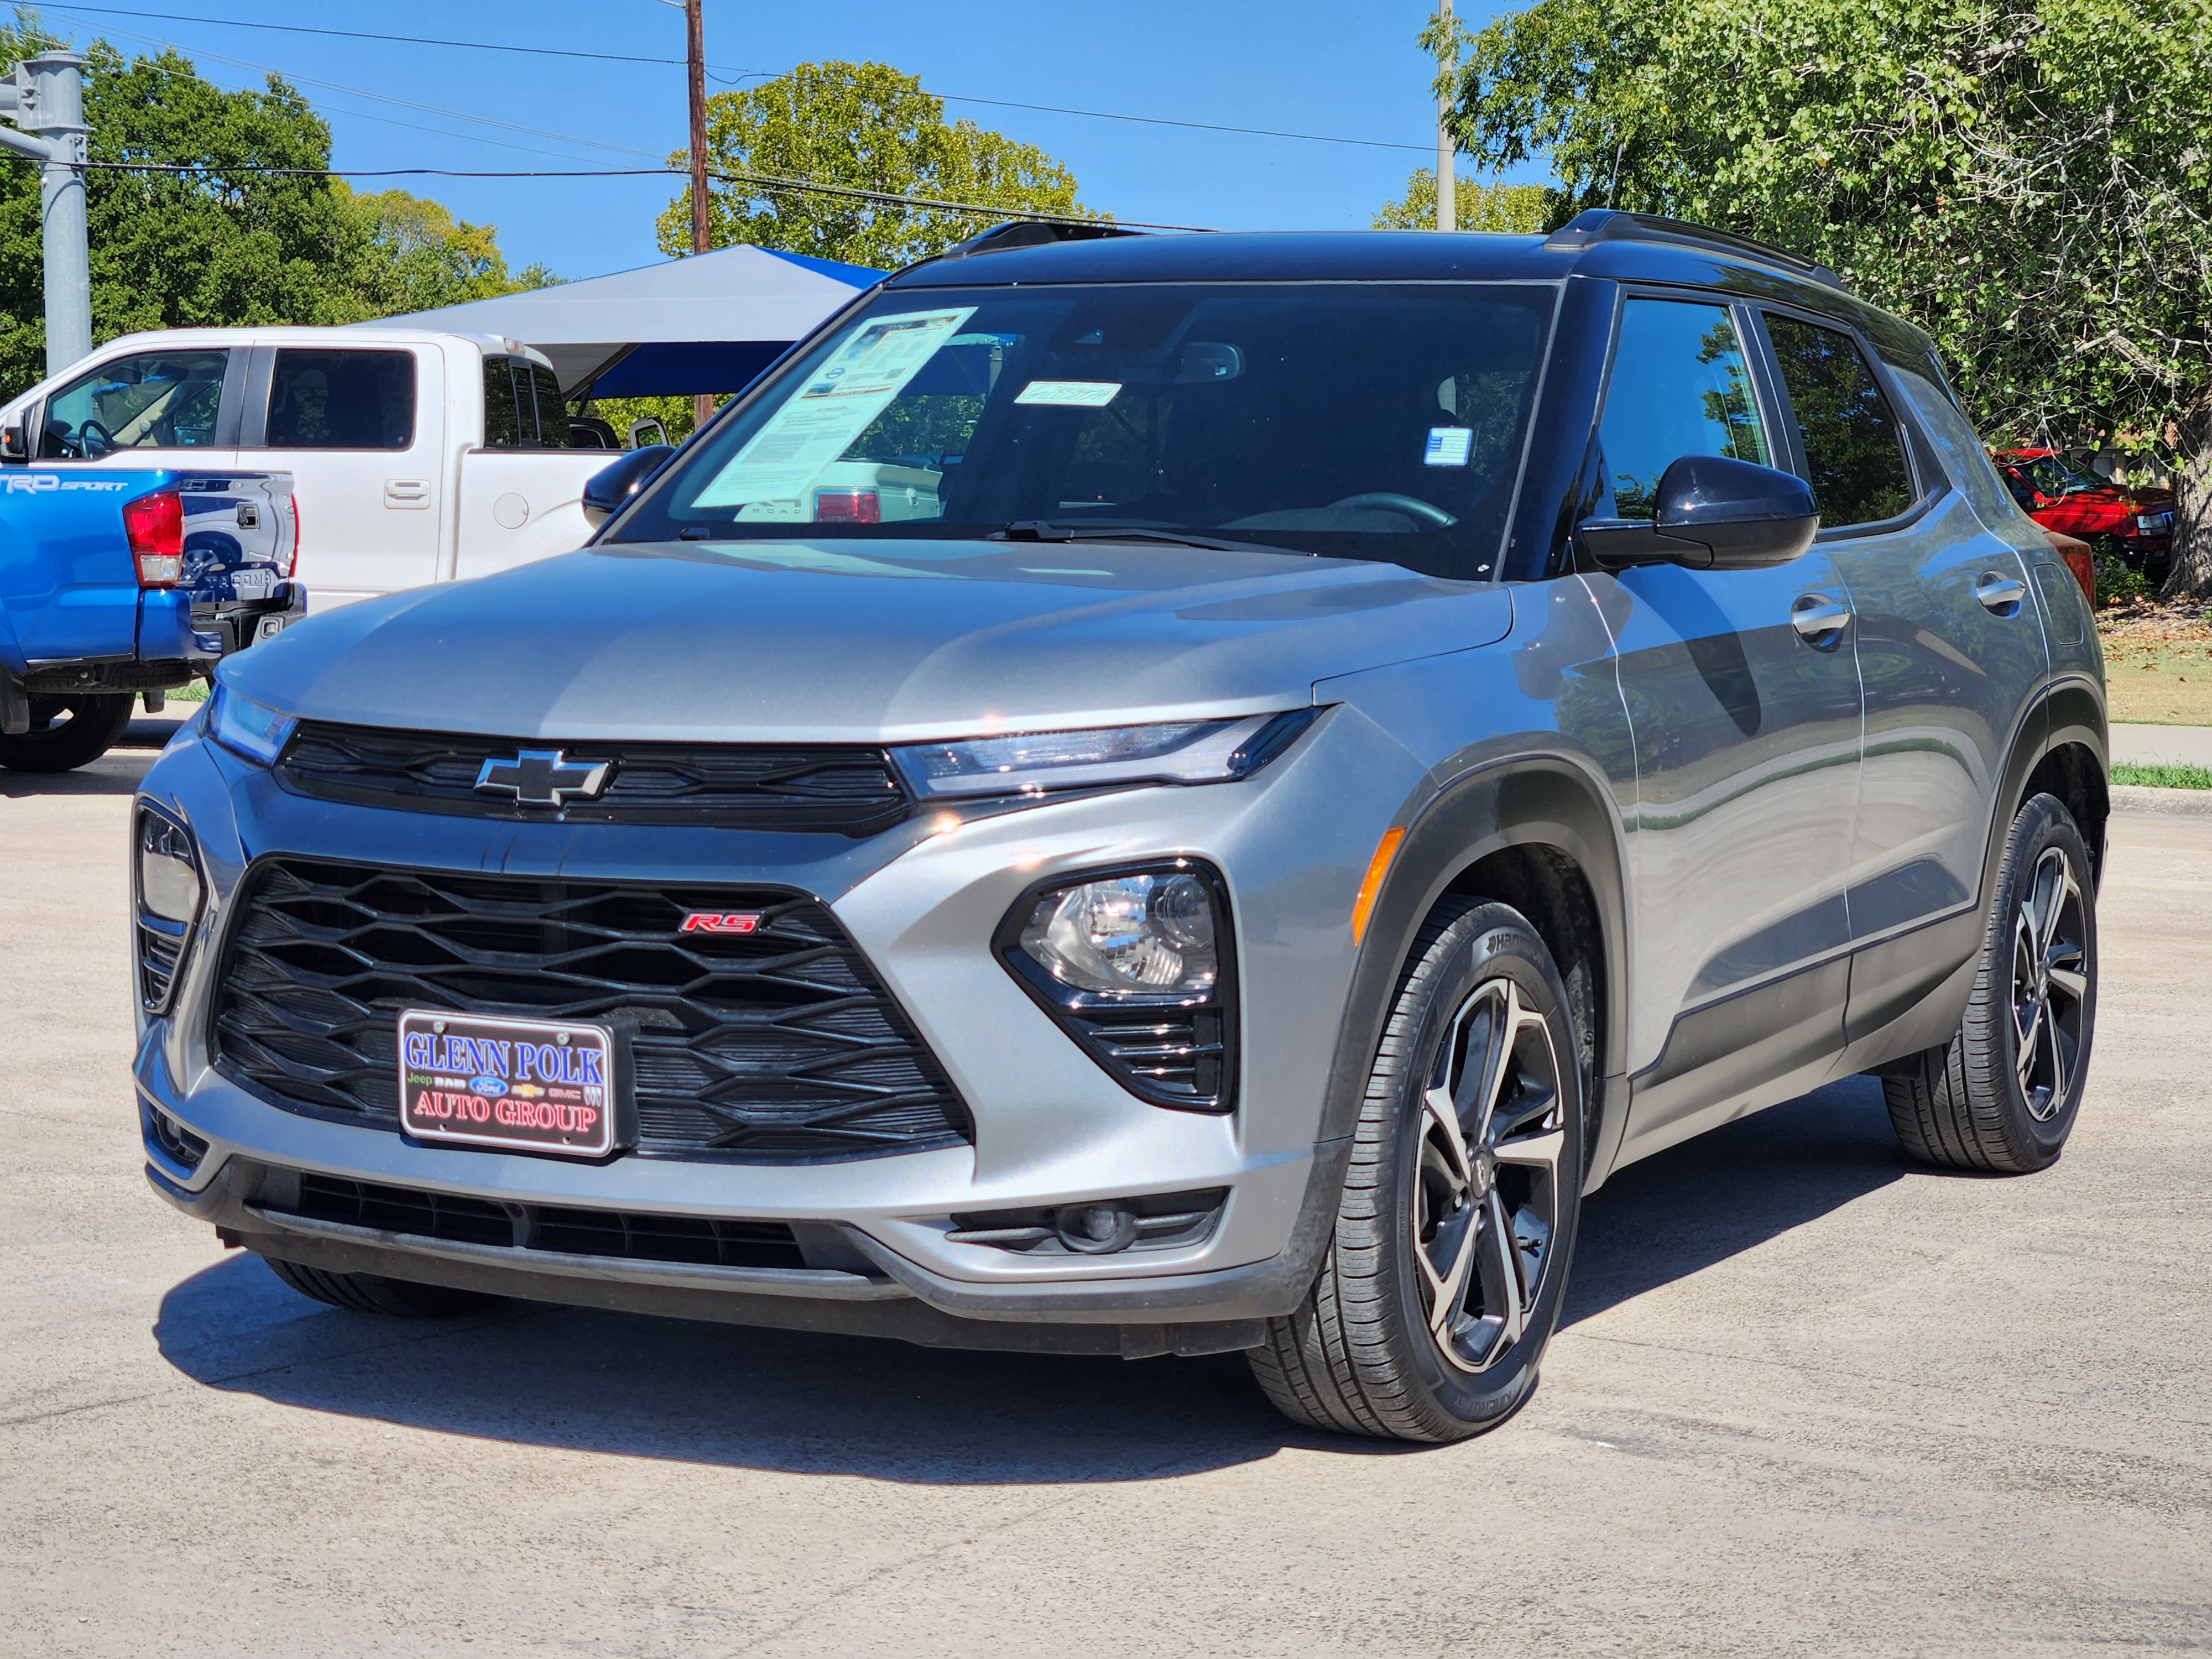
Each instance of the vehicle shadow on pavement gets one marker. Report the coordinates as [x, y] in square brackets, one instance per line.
[116, 772]
[804, 1403]
[1683, 1210]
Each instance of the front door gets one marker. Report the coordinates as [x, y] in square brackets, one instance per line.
[146, 409]
[1743, 698]
[361, 429]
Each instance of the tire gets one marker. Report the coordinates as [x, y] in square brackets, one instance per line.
[1384, 1344]
[372, 1293]
[67, 732]
[2002, 1096]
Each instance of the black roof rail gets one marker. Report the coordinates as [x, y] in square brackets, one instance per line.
[1610, 225]
[1035, 233]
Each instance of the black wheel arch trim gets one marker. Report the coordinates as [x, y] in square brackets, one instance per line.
[1544, 801]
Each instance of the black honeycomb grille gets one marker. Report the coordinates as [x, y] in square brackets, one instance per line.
[843, 789]
[776, 1046]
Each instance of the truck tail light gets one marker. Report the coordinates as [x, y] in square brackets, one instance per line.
[847, 507]
[292, 557]
[155, 526]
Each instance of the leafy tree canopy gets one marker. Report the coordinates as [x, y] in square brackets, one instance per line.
[865, 126]
[225, 244]
[2030, 181]
[1476, 206]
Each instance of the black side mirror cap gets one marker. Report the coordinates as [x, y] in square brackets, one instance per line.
[1710, 513]
[609, 488]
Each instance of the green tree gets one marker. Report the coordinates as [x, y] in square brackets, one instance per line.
[226, 243]
[1476, 206]
[2030, 181]
[864, 126]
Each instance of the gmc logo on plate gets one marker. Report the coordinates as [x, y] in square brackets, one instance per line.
[720, 921]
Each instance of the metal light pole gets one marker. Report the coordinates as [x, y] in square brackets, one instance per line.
[694, 36]
[44, 98]
[1447, 148]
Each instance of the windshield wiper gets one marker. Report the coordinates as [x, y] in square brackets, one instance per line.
[1044, 529]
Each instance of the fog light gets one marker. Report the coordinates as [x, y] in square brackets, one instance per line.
[168, 876]
[1096, 1229]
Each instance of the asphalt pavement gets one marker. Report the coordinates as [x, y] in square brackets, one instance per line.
[1808, 1398]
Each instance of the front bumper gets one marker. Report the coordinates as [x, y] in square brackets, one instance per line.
[923, 901]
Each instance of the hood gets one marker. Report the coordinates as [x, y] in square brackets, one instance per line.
[860, 642]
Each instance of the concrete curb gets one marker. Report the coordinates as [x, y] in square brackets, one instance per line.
[2139, 798]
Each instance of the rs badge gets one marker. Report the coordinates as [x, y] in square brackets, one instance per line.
[720, 921]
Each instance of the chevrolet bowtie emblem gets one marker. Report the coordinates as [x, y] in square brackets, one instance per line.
[544, 777]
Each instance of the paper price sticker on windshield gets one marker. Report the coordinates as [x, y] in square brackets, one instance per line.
[836, 405]
[1071, 394]
[1448, 446]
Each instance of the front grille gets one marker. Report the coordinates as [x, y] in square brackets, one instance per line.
[776, 1046]
[705, 1241]
[844, 789]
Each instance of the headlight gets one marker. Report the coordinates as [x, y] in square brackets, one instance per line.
[246, 728]
[1137, 967]
[2154, 523]
[166, 880]
[1031, 762]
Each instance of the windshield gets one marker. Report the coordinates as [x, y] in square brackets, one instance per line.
[1358, 421]
[2053, 476]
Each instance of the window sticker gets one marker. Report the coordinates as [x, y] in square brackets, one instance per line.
[844, 396]
[1070, 394]
[1448, 446]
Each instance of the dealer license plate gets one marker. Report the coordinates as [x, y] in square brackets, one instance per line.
[524, 1085]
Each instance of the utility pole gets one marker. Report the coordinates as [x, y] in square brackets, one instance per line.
[44, 96]
[694, 36]
[1447, 146]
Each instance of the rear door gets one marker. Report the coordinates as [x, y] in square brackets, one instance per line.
[1747, 733]
[1950, 647]
[361, 429]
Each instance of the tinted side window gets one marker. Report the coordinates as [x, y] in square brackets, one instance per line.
[150, 400]
[1853, 449]
[502, 419]
[322, 399]
[1680, 386]
[552, 409]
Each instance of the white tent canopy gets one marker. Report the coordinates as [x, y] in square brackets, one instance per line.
[708, 323]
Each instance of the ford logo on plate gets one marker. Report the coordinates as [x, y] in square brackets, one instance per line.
[491, 1086]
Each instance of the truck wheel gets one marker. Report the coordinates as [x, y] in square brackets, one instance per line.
[1449, 1265]
[2000, 1097]
[373, 1293]
[67, 732]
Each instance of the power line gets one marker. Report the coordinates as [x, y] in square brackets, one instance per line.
[722, 71]
[766, 182]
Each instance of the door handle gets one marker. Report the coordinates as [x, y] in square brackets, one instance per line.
[406, 493]
[1819, 619]
[2000, 594]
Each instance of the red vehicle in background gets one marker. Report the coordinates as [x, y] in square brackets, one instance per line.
[2134, 525]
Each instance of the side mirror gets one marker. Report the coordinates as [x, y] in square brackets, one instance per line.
[611, 486]
[1710, 513]
[13, 445]
[646, 431]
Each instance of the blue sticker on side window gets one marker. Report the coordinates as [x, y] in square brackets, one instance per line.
[1448, 446]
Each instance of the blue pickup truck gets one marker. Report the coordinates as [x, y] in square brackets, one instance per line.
[116, 585]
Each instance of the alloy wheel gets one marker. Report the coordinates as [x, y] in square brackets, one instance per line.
[2050, 983]
[1486, 1199]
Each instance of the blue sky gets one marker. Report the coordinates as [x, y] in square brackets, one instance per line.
[1345, 68]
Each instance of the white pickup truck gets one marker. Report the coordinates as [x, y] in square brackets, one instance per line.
[416, 457]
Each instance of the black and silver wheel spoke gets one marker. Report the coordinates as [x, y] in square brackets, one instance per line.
[1486, 1193]
[2050, 983]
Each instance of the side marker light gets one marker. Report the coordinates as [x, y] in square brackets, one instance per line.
[1377, 867]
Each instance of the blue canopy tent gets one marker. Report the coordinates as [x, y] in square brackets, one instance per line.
[710, 323]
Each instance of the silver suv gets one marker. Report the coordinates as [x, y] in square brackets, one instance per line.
[1338, 744]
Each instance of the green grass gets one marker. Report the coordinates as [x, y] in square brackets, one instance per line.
[196, 692]
[2164, 777]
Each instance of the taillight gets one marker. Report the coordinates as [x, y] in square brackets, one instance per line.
[155, 526]
[2079, 560]
[292, 558]
[847, 507]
